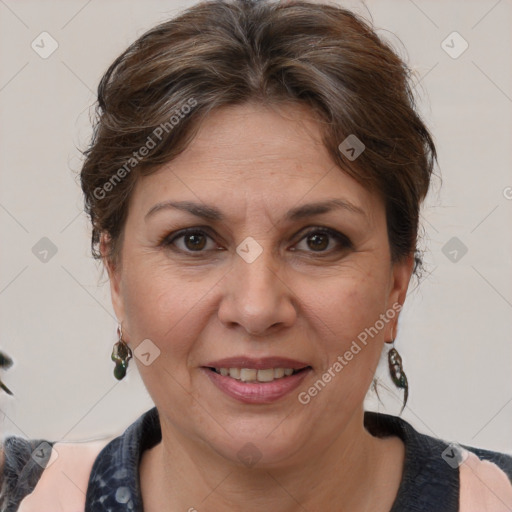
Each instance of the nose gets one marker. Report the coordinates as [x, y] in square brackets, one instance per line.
[256, 296]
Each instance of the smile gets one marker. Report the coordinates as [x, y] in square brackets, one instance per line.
[256, 386]
[253, 375]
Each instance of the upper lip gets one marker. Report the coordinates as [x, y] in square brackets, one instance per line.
[256, 363]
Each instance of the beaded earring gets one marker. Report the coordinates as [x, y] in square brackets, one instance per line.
[121, 354]
[397, 373]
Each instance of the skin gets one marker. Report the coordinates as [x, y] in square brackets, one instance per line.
[303, 298]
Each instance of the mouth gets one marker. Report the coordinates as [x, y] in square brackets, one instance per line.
[256, 381]
[257, 375]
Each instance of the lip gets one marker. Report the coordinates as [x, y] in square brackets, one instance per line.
[257, 363]
[256, 392]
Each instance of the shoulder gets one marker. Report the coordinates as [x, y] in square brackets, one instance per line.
[21, 469]
[434, 468]
[76, 475]
[502, 460]
[429, 447]
[34, 469]
[485, 480]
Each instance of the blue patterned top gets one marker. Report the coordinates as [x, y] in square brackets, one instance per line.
[430, 482]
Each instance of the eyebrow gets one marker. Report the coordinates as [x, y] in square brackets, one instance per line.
[300, 212]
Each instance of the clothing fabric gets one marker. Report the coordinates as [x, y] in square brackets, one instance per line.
[430, 481]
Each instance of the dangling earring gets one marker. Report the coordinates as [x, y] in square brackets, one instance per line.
[121, 354]
[397, 372]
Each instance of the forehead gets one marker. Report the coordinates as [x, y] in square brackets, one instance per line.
[259, 134]
[253, 138]
[267, 156]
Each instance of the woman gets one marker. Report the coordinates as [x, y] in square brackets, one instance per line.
[254, 184]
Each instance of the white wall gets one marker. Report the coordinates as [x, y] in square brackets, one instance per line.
[56, 318]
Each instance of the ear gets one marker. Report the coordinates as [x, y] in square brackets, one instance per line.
[114, 274]
[401, 273]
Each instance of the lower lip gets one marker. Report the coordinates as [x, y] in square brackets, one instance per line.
[257, 392]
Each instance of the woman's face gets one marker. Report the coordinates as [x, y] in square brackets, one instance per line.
[252, 281]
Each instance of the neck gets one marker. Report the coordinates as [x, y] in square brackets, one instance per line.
[180, 472]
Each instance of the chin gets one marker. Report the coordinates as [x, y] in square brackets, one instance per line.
[259, 444]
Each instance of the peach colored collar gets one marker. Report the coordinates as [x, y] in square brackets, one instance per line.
[484, 487]
[63, 484]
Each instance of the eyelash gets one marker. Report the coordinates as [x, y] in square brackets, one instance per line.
[343, 241]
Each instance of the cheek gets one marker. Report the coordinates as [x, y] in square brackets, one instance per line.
[347, 317]
[157, 310]
[352, 303]
[158, 305]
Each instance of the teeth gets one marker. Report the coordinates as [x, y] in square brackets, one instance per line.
[248, 374]
[279, 372]
[251, 374]
[265, 375]
[235, 373]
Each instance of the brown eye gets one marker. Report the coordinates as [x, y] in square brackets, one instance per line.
[194, 242]
[319, 240]
[188, 241]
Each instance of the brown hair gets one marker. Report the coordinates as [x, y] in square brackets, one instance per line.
[229, 52]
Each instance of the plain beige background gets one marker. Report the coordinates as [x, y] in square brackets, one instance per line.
[56, 321]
